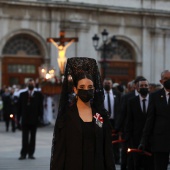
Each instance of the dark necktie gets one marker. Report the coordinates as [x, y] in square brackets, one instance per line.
[109, 106]
[29, 97]
[144, 106]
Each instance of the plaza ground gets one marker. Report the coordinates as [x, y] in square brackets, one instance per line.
[10, 145]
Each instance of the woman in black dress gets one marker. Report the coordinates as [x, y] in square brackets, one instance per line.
[82, 134]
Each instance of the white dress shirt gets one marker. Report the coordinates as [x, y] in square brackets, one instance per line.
[146, 101]
[111, 95]
[167, 95]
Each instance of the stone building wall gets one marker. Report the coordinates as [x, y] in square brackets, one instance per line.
[144, 25]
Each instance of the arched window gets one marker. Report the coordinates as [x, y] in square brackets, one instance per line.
[120, 51]
[22, 56]
[118, 61]
[21, 44]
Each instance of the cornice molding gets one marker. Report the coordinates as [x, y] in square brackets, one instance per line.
[89, 7]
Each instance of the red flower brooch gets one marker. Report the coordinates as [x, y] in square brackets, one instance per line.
[99, 120]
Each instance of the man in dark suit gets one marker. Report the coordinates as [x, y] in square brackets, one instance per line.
[30, 111]
[136, 117]
[120, 125]
[112, 104]
[157, 127]
[8, 109]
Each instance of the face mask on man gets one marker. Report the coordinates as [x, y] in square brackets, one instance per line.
[30, 87]
[143, 91]
[107, 87]
[85, 95]
[167, 84]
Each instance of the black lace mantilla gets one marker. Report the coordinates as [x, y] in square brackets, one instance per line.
[74, 67]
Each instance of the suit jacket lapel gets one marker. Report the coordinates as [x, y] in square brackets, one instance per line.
[148, 104]
[94, 112]
[98, 130]
[74, 115]
[138, 104]
[163, 97]
[115, 103]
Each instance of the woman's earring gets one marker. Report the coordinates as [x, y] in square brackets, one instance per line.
[93, 93]
[76, 97]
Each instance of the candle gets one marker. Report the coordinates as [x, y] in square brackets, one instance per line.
[118, 141]
[114, 134]
[11, 116]
[139, 151]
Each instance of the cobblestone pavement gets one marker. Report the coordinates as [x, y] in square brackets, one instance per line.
[10, 145]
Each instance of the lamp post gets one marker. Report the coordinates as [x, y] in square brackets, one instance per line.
[104, 48]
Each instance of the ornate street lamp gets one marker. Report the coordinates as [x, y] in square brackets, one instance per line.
[104, 48]
[105, 35]
[95, 41]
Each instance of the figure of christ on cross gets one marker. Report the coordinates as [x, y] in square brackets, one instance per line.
[61, 53]
[62, 48]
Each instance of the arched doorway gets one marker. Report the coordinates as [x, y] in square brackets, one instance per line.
[22, 56]
[120, 62]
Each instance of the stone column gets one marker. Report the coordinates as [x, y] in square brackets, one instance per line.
[159, 54]
[147, 61]
[0, 72]
[167, 50]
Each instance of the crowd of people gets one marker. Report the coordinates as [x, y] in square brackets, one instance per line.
[99, 124]
[26, 109]
[141, 123]
[136, 119]
[9, 97]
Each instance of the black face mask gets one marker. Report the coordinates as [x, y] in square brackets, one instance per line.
[30, 87]
[167, 84]
[85, 95]
[143, 91]
[107, 87]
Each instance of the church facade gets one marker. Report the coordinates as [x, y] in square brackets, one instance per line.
[141, 30]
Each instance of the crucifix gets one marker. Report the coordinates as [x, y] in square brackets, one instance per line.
[62, 48]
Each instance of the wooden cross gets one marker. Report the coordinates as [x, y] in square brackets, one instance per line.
[62, 48]
[62, 39]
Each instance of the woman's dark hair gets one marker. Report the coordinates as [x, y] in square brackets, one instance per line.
[82, 76]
